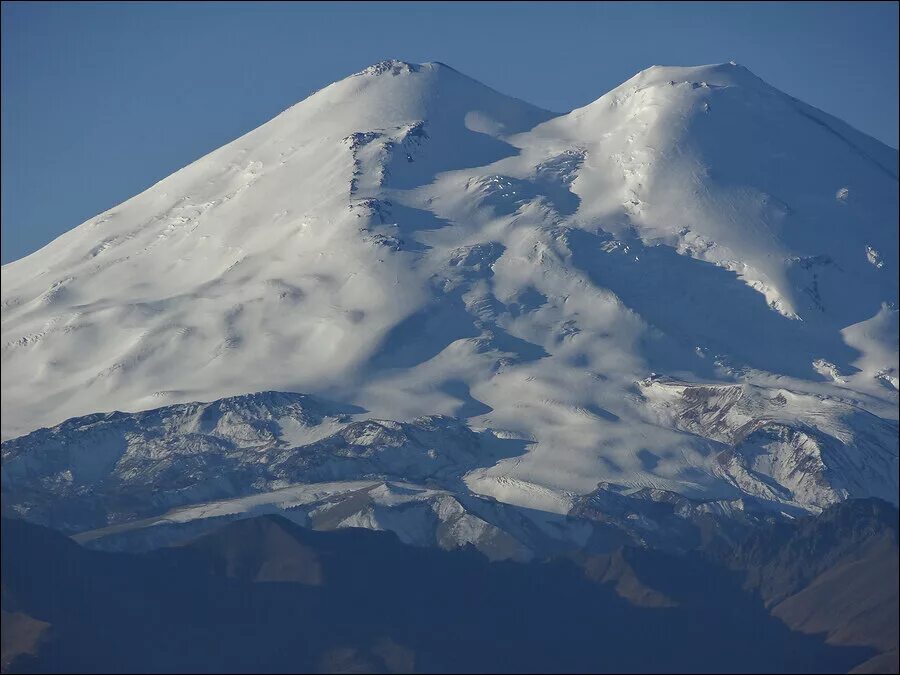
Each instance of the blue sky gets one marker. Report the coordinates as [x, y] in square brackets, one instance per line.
[102, 100]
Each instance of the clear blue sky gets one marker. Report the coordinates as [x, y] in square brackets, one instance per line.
[102, 100]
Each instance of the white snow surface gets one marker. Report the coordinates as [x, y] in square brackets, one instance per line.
[411, 242]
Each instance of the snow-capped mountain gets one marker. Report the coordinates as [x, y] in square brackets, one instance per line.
[688, 287]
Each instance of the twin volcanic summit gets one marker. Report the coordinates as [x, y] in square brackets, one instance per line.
[411, 303]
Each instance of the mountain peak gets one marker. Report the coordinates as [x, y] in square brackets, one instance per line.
[389, 66]
[399, 67]
[709, 75]
[393, 93]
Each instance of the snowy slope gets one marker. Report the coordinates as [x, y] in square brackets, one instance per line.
[410, 242]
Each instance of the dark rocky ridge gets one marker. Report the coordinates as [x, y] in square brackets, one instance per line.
[264, 595]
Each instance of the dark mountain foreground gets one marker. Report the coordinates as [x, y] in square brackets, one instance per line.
[819, 594]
